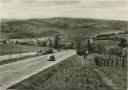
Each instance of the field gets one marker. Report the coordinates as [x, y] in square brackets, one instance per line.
[7, 49]
[125, 36]
[106, 43]
[74, 72]
[111, 43]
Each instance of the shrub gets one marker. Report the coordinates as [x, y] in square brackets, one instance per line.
[96, 48]
[68, 46]
[17, 42]
[44, 43]
[77, 42]
[80, 52]
[48, 50]
[125, 52]
[32, 43]
[122, 43]
[4, 42]
[115, 51]
[24, 43]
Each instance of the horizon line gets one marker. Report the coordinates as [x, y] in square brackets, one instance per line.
[61, 17]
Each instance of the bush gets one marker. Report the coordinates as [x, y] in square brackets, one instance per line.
[122, 43]
[32, 43]
[48, 50]
[4, 42]
[125, 52]
[43, 43]
[17, 42]
[115, 51]
[80, 52]
[24, 43]
[96, 48]
[68, 46]
[77, 42]
[56, 41]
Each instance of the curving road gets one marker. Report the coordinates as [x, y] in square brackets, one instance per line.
[13, 73]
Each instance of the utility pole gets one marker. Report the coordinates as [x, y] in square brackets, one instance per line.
[20, 54]
[0, 34]
[1, 38]
[11, 47]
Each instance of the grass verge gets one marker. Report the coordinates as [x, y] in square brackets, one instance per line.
[118, 75]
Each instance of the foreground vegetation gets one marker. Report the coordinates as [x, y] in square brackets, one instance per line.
[116, 73]
[118, 76]
[74, 72]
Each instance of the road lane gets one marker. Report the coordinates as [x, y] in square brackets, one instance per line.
[18, 72]
[13, 56]
[19, 64]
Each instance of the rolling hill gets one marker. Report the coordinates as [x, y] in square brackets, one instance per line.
[61, 25]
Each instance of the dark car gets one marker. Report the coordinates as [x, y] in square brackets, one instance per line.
[51, 58]
[39, 52]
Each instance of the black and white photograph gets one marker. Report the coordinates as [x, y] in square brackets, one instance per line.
[63, 44]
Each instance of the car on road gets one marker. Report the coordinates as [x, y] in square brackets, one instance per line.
[51, 57]
[39, 52]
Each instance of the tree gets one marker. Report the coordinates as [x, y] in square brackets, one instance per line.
[77, 42]
[72, 45]
[122, 43]
[78, 45]
[56, 41]
[39, 43]
[44, 43]
[49, 43]
[89, 46]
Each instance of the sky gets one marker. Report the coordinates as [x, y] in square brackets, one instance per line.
[98, 9]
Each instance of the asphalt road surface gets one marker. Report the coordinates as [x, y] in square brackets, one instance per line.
[6, 57]
[13, 73]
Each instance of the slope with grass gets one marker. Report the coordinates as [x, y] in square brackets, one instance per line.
[63, 25]
[106, 43]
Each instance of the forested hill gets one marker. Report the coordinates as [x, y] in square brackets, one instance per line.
[50, 26]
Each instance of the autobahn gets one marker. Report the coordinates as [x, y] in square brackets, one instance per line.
[12, 73]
